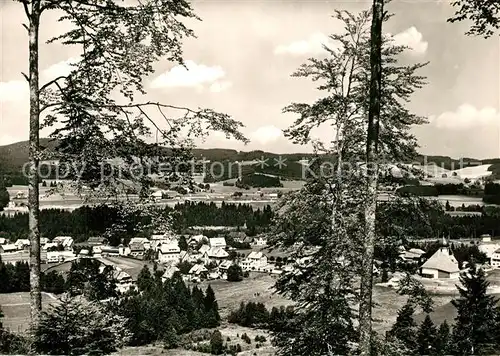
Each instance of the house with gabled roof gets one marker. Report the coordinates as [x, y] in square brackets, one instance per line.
[8, 248]
[22, 244]
[217, 242]
[168, 252]
[141, 240]
[254, 261]
[199, 271]
[136, 250]
[442, 264]
[96, 240]
[216, 254]
[169, 272]
[64, 241]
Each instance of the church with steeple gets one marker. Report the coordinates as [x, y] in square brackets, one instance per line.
[442, 264]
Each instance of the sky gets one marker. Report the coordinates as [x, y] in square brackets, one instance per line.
[246, 50]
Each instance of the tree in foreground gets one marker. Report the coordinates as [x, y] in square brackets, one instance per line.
[372, 164]
[476, 323]
[442, 343]
[426, 337]
[404, 329]
[93, 110]
[75, 326]
[314, 222]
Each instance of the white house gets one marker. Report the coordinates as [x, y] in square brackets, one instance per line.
[59, 256]
[136, 249]
[65, 241]
[486, 238]
[198, 271]
[412, 255]
[141, 240]
[168, 252]
[96, 251]
[442, 264]
[489, 249]
[124, 281]
[495, 259]
[254, 261]
[218, 242]
[216, 254]
[8, 248]
[22, 243]
[260, 241]
[3, 241]
[110, 251]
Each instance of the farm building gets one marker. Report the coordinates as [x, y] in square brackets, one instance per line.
[442, 264]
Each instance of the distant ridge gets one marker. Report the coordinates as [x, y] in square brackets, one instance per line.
[15, 155]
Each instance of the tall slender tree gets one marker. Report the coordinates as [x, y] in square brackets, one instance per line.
[94, 106]
[330, 206]
[372, 161]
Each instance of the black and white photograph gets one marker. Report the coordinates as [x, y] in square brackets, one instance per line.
[250, 177]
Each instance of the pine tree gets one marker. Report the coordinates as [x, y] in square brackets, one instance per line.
[426, 337]
[477, 314]
[144, 279]
[76, 326]
[405, 327]
[4, 195]
[183, 245]
[443, 339]
[211, 308]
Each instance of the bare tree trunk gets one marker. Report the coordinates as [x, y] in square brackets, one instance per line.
[365, 306]
[33, 199]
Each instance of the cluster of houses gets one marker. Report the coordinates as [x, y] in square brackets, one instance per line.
[443, 264]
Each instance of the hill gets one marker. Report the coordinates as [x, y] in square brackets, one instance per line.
[14, 156]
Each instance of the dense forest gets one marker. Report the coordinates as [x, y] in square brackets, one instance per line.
[492, 193]
[96, 221]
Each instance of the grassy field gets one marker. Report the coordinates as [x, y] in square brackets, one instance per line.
[257, 288]
[233, 332]
[16, 310]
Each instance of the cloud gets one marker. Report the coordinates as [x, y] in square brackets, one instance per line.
[62, 68]
[466, 117]
[217, 87]
[14, 90]
[313, 45]
[412, 38]
[191, 75]
[266, 134]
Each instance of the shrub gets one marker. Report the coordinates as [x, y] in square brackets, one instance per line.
[246, 338]
[216, 344]
[260, 338]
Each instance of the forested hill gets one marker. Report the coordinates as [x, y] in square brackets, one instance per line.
[13, 156]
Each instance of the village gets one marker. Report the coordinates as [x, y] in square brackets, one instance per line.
[200, 258]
